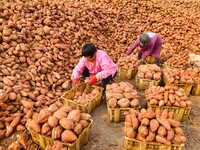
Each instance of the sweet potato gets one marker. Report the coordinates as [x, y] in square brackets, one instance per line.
[143, 130]
[60, 113]
[112, 102]
[66, 123]
[130, 132]
[151, 136]
[56, 132]
[78, 128]
[124, 103]
[145, 122]
[166, 95]
[32, 124]
[43, 115]
[134, 122]
[179, 139]
[85, 116]
[164, 114]
[178, 131]
[53, 108]
[170, 134]
[163, 140]
[163, 122]
[117, 96]
[27, 104]
[173, 122]
[68, 136]
[74, 115]
[45, 128]
[162, 131]
[52, 121]
[84, 123]
[135, 103]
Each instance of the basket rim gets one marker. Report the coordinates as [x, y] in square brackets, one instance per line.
[153, 143]
[167, 106]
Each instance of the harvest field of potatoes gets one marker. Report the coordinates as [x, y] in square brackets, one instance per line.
[40, 44]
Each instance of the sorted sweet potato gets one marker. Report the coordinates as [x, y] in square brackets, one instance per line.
[74, 115]
[163, 140]
[78, 128]
[52, 121]
[66, 123]
[68, 136]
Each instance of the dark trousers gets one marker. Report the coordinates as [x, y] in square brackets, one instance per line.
[104, 82]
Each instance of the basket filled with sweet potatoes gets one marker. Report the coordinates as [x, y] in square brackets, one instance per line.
[180, 78]
[172, 98]
[147, 76]
[147, 130]
[60, 123]
[83, 97]
[120, 97]
[127, 66]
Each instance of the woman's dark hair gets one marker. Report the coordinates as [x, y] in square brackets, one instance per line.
[88, 50]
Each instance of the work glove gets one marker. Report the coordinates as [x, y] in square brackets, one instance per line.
[74, 82]
[93, 80]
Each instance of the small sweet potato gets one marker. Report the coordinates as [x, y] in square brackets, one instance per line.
[151, 136]
[130, 132]
[52, 121]
[66, 123]
[43, 115]
[145, 122]
[84, 123]
[68, 136]
[154, 125]
[162, 140]
[45, 128]
[124, 103]
[163, 122]
[178, 131]
[85, 116]
[173, 122]
[162, 131]
[170, 134]
[78, 128]
[143, 130]
[56, 132]
[179, 139]
[74, 115]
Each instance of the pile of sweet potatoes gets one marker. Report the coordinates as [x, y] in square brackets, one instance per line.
[59, 122]
[149, 71]
[180, 60]
[167, 96]
[128, 62]
[121, 95]
[177, 76]
[153, 127]
[86, 96]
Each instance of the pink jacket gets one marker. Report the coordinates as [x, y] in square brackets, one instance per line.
[102, 67]
[152, 49]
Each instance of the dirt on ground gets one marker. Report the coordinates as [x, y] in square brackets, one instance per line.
[106, 135]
